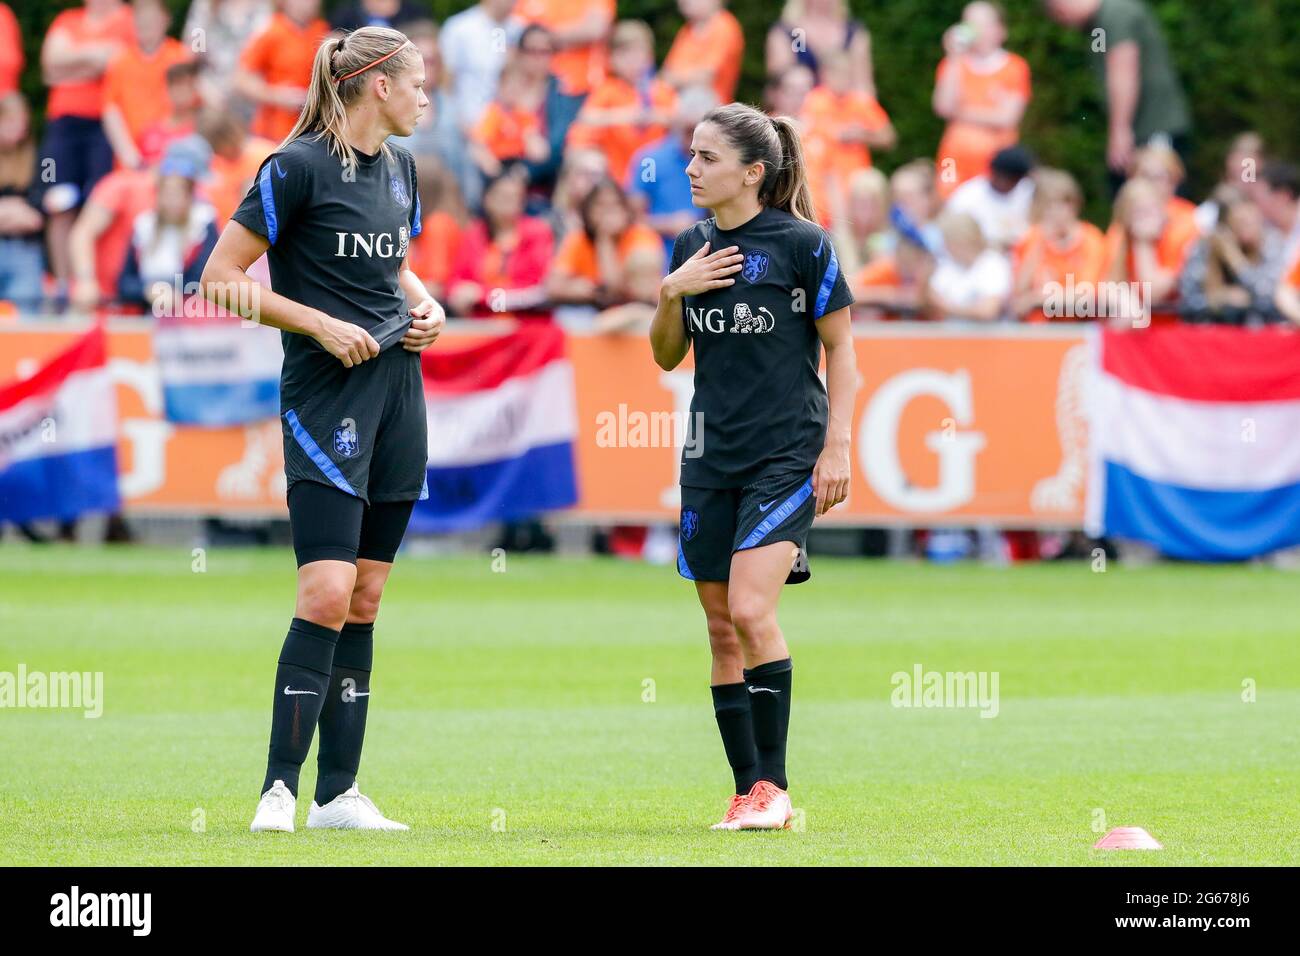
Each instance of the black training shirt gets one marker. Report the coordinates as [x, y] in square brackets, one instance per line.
[338, 236]
[757, 392]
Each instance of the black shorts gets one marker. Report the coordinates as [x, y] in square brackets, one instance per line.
[81, 156]
[363, 429]
[331, 525]
[718, 522]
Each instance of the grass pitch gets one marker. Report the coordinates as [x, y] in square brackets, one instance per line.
[558, 713]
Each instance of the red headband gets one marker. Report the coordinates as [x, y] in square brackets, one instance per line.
[369, 65]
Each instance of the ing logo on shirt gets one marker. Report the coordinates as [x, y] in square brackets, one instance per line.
[743, 319]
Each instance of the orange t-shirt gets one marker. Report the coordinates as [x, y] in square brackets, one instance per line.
[85, 97]
[829, 161]
[1293, 277]
[282, 55]
[577, 254]
[718, 44]
[971, 146]
[136, 83]
[1084, 260]
[433, 251]
[579, 68]
[620, 143]
[1175, 242]
[503, 130]
[229, 180]
[125, 193]
[11, 51]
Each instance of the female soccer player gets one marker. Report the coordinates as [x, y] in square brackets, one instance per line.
[335, 209]
[758, 291]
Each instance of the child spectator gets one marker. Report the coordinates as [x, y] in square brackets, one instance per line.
[22, 260]
[973, 281]
[657, 179]
[982, 91]
[510, 128]
[183, 96]
[275, 68]
[611, 261]
[707, 50]
[1233, 272]
[135, 83]
[1241, 166]
[236, 158]
[581, 171]
[1059, 255]
[433, 252]
[841, 125]
[862, 234]
[77, 49]
[501, 263]
[1160, 166]
[1148, 245]
[580, 29]
[787, 93]
[915, 203]
[630, 108]
[171, 242]
[1278, 194]
[894, 286]
[1000, 200]
[823, 26]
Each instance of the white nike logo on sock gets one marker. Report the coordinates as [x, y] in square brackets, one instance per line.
[770, 690]
[288, 691]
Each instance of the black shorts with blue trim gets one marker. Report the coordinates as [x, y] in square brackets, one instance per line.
[363, 429]
[718, 522]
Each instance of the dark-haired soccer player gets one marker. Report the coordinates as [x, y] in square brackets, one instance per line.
[335, 209]
[758, 292]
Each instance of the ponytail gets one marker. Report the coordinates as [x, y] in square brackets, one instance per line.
[339, 75]
[773, 141]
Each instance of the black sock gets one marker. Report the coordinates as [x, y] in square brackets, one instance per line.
[769, 701]
[343, 718]
[301, 682]
[731, 707]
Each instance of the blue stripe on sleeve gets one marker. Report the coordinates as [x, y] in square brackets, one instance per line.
[828, 283]
[313, 450]
[268, 205]
[419, 225]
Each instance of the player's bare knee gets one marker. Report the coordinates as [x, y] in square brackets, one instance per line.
[364, 607]
[325, 602]
[752, 617]
[724, 643]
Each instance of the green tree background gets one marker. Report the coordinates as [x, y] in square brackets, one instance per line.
[1237, 61]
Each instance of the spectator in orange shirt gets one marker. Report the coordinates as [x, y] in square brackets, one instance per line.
[511, 126]
[501, 264]
[631, 107]
[982, 91]
[135, 83]
[840, 126]
[1148, 246]
[579, 29]
[77, 49]
[236, 158]
[1161, 167]
[707, 49]
[612, 263]
[894, 286]
[185, 101]
[276, 66]
[22, 262]
[11, 51]
[433, 251]
[810, 29]
[1061, 258]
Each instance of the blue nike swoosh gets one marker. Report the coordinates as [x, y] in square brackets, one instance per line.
[818, 253]
[283, 173]
[766, 506]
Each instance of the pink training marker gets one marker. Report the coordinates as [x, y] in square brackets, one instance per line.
[1128, 838]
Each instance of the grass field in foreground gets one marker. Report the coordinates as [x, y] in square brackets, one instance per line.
[508, 724]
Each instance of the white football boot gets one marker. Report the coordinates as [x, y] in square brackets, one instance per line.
[350, 810]
[275, 811]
